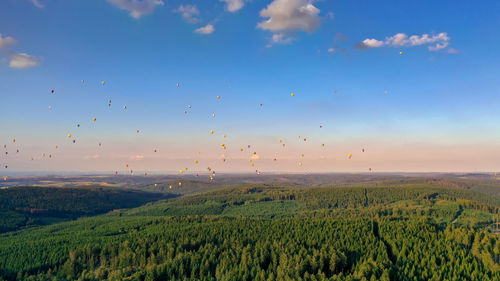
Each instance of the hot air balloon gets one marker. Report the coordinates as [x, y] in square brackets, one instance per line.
[95, 119]
[69, 135]
[218, 97]
[103, 83]
[178, 84]
[211, 131]
[349, 156]
[293, 95]
[51, 91]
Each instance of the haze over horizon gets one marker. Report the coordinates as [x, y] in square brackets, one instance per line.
[417, 95]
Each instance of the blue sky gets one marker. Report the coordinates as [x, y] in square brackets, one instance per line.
[440, 111]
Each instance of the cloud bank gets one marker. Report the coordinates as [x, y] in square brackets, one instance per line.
[436, 42]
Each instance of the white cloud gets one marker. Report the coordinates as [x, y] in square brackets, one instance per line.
[188, 12]
[37, 4]
[7, 41]
[281, 38]
[208, 29]
[331, 50]
[453, 51]
[370, 43]
[439, 41]
[233, 5]
[137, 8]
[289, 16]
[22, 60]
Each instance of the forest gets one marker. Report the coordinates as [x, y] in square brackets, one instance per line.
[32, 206]
[269, 232]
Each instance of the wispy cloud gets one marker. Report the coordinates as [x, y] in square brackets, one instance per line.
[17, 60]
[137, 8]
[7, 41]
[208, 29]
[22, 60]
[188, 12]
[89, 157]
[285, 17]
[436, 42]
[37, 4]
[233, 5]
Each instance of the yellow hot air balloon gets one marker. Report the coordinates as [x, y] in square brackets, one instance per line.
[281, 140]
[241, 149]
[69, 135]
[181, 171]
[400, 53]
[218, 97]
[95, 119]
[196, 161]
[103, 83]
[349, 156]
[14, 140]
[293, 95]
[211, 131]
[180, 183]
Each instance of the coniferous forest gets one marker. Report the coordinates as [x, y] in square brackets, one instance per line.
[267, 232]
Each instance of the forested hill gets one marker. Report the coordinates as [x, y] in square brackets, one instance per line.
[28, 206]
[259, 232]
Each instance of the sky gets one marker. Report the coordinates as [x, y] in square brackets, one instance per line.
[410, 86]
